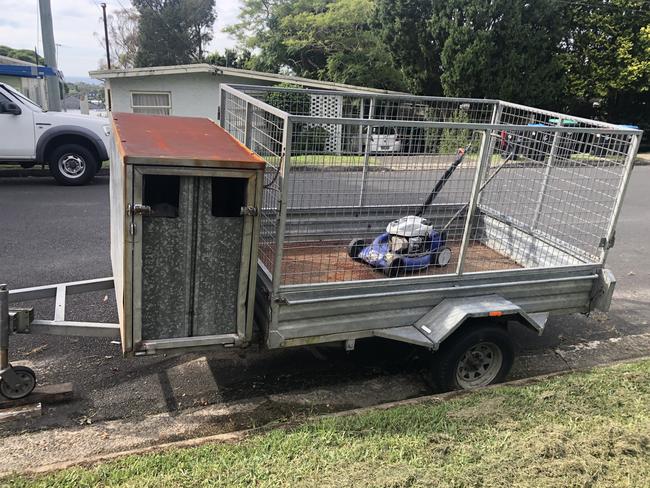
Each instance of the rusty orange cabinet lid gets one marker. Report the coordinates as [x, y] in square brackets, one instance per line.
[183, 141]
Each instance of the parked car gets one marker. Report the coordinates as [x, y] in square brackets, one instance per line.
[72, 145]
[384, 140]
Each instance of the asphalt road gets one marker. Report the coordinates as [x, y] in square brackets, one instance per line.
[52, 234]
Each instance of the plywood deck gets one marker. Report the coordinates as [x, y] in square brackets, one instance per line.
[318, 262]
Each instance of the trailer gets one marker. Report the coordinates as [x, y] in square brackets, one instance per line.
[525, 237]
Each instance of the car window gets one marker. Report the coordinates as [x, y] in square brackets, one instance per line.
[23, 98]
[3, 98]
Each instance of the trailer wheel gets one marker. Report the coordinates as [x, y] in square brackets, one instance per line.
[474, 356]
[27, 384]
[355, 247]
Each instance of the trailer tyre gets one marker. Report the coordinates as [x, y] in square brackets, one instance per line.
[27, 379]
[472, 357]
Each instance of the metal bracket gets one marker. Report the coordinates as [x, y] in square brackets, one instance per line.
[252, 211]
[20, 319]
[607, 243]
[59, 325]
[137, 209]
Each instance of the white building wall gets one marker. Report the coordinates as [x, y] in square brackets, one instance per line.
[192, 94]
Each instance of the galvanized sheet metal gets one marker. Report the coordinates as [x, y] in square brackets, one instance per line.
[167, 269]
[217, 269]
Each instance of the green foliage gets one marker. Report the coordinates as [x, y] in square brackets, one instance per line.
[173, 32]
[231, 58]
[81, 89]
[22, 54]
[503, 48]
[607, 57]
[333, 40]
[451, 138]
[293, 102]
[307, 138]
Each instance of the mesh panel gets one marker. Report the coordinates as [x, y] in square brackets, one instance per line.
[534, 189]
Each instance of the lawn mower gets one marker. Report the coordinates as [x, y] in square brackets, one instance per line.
[409, 243]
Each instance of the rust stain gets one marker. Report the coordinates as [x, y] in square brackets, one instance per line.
[194, 139]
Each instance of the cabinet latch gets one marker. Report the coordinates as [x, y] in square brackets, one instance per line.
[252, 211]
[138, 209]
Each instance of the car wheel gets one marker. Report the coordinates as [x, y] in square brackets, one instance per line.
[72, 165]
[476, 355]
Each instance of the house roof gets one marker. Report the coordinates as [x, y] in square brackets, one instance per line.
[222, 70]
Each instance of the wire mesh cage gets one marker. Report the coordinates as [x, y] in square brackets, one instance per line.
[364, 186]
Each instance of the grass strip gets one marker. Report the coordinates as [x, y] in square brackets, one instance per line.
[582, 429]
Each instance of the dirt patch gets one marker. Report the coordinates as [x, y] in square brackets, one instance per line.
[328, 261]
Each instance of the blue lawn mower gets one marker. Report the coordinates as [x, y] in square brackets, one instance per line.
[409, 243]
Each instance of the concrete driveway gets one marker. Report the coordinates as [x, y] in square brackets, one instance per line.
[51, 234]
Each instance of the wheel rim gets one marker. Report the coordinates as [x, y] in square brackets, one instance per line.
[479, 366]
[444, 257]
[72, 165]
[27, 384]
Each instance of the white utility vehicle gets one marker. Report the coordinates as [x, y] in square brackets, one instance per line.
[72, 145]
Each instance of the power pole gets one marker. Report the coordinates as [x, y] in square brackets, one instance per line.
[108, 52]
[49, 50]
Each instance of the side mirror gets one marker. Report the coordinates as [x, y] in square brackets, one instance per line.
[10, 108]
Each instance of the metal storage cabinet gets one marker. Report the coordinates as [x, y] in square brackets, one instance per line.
[184, 232]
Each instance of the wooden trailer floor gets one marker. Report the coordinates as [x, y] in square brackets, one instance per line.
[326, 262]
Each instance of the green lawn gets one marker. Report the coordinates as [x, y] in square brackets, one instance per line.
[583, 429]
[327, 160]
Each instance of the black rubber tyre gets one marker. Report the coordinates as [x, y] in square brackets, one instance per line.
[72, 165]
[355, 247]
[396, 268]
[488, 348]
[28, 383]
[442, 257]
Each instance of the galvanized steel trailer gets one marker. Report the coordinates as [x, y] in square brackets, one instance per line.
[529, 217]
[530, 214]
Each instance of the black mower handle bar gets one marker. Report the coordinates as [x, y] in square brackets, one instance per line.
[442, 181]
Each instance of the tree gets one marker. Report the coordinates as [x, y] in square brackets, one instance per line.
[172, 32]
[123, 37]
[332, 40]
[607, 57]
[231, 58]
[403, 28]
[22, 54]
[502, 48]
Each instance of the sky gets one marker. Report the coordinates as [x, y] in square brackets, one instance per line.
[76, 23]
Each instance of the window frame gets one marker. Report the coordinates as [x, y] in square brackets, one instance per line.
[157, 107]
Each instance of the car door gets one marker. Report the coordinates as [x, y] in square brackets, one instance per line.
[16, 131]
